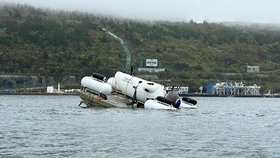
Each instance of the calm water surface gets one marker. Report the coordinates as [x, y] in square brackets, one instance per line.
[54, 126]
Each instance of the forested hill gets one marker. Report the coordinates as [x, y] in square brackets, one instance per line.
[59, 43]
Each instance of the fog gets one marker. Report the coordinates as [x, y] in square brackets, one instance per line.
[254, 11]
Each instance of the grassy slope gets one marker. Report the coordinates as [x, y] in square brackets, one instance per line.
[63, 43]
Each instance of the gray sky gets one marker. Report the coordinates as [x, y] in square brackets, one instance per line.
[256, 11]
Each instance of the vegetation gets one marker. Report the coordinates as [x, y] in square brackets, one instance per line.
[58, 43]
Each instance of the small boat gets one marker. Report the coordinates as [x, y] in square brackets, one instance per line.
[127, 91]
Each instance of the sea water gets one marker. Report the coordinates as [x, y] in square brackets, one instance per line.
[55, 126]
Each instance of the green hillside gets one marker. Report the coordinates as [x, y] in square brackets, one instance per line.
[58, 43]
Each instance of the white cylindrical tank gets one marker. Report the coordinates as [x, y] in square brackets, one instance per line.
[96, 85]
[127, 84]
[112, 82]
[154, 104]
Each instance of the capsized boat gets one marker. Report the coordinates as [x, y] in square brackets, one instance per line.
[127, 91]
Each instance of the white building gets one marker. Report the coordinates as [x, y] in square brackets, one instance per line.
[253, 69]
[50, 89]
[238, 88]
[180, 90]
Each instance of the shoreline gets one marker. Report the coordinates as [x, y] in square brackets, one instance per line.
[183, 95]
[36, 93]
[240, 96]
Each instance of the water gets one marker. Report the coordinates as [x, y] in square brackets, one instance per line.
[54, 126]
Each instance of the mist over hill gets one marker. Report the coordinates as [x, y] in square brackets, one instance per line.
[60, 43]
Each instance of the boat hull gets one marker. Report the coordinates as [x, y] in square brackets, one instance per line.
[116, 100]
[91, 99]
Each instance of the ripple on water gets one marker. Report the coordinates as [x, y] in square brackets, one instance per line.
[54, 126]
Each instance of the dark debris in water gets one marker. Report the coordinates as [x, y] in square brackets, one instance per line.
[260, 115]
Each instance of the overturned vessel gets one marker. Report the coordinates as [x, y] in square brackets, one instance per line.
[127, 91]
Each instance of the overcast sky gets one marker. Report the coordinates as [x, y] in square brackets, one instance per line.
[256, 11]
